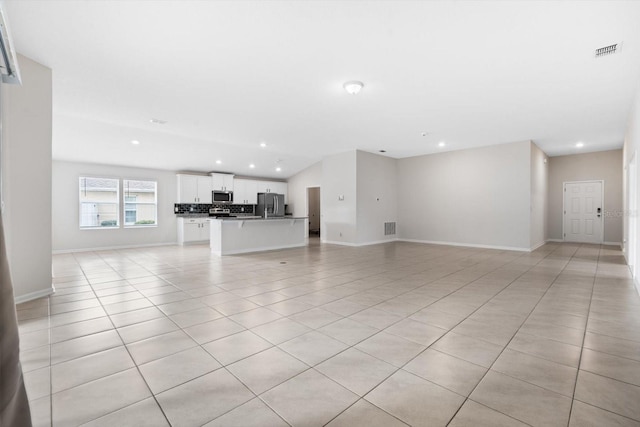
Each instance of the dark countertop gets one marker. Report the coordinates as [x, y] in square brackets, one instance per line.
[258, 218]
[193, 215]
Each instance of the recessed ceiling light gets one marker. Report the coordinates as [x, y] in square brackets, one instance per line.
[263, 144]
[353, 87]
[580, 144]
[252, 166]
[278, 169]
[218, 162]
[135, 142]
[441, 144]
[158, 121]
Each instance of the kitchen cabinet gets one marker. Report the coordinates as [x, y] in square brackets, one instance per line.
[245, 192]
[222, 181]
[192, 230]
[273, 187]
[194, 188]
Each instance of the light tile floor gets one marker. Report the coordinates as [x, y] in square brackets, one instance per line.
[386, 335]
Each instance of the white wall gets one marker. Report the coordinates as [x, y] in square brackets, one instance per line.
[297, 188]
[26, 179]
[339, 216]
[603, 165]
[631, 146]
[377, 196]
[539, 196]
[476, 197]
[67, 235]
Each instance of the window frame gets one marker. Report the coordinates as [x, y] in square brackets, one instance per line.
[97, 202]
[137, 203]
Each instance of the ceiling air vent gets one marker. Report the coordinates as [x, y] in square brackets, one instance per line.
[608, 50]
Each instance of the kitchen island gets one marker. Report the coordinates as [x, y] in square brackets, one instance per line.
[241, 235]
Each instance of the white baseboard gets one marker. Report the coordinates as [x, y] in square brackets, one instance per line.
[603, 243]
[468, 245]
[270, 248]
[109, 248]
[635, 282]
[533, 248]
[34, 295]
[355, 245]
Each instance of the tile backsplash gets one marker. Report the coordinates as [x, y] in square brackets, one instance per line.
[203, 208]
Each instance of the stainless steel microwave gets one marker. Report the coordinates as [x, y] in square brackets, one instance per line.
[222, 196]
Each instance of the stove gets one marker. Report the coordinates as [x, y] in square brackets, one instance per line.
[219, 213]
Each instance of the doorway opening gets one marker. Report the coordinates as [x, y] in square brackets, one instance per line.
[313, 211]
[583, 212]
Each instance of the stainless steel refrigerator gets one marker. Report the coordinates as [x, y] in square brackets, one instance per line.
[270, 205]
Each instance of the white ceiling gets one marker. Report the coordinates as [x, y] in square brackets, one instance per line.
[226, 75]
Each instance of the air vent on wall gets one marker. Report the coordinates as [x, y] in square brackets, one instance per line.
[389, 228]
[608, 50]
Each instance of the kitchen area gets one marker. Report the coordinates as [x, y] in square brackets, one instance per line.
[236, 215]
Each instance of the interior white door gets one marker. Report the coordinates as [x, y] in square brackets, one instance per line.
[583, 212]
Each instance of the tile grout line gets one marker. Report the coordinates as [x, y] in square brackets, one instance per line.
[515, 333]
[582, 350]
[264, 263]
[137, 369]
[586, 326]
[198, 345]
[429, 346]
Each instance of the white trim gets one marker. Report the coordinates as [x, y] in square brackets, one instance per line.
[564, 194]
[468, 245]
[555, 240]
[108, 248]
[355, 245]
[262, 249]
[194, 242]
[637, 285]
[533, 248]
[613, 244]
[34, 295]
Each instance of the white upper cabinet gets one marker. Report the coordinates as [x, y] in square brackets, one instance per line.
[204, 189]
[194, 188]
[280, 188]
[273, 187]
[222, 181]
[245, 192]
[198, 188]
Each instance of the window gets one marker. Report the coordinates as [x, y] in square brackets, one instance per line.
[99, 202]
[140, 203]
[130, 209]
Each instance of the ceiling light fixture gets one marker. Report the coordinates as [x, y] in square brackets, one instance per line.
[580, 144]
[353, 87]
[158, 121]
[263, 144]
[441, 144]
[218, 162]
[252, 166]
[278, 169]
[135, 142]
